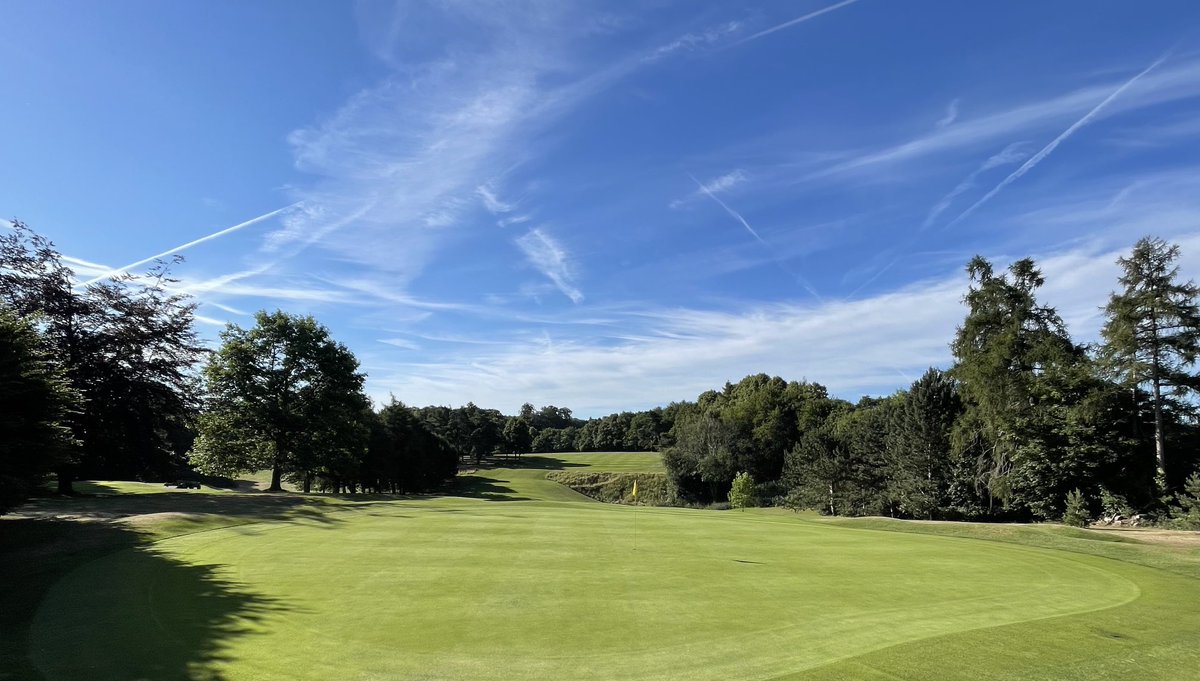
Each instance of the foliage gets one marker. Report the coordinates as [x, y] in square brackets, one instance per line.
[1004, 348]
[1076, 513]
[702, 463]
[1186, 513]
[518, 435]
[471, 431]
[283, 395]
[403, 455]
[919, 452]
[126, 345]
[36, 402]
[742, 493]
[1152, 332]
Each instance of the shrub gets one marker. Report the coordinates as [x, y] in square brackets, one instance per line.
[741, 495]
[1077, 512]
[1115, 504]
[1185, 515]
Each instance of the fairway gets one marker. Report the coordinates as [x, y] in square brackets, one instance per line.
[555, 587]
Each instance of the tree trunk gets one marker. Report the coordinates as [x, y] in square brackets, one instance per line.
[1160, 456]
[276, 478]
[65, 482]
[832, 508]
[307, 483]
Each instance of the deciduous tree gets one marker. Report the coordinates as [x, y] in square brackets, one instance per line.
[282, 395]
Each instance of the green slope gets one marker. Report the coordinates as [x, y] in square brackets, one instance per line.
[530, 580]
[515, 576]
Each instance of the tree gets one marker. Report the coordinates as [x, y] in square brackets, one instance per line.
[127, 345]
[817, 469]
[1186, 515]
[404, 456]
[919, 449]
[282, 395]
[1005, 345]
[35, 403]
[518, 434]
[701, 464]
[1152, 332]
[1076, 514]
[741, 494]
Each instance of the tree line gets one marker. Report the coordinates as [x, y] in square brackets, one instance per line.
[1024, 423]
[108, 380]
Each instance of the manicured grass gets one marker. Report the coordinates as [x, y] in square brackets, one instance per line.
[523, 578]
[609, 462]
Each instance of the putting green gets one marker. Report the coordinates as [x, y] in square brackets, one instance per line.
[457, 588]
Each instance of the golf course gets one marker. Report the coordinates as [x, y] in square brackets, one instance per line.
[511, 575]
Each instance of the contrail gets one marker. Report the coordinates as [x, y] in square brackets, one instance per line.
[1037, 158]
[183, 247]
[793, 22]
[1010, 154]
[738, 216]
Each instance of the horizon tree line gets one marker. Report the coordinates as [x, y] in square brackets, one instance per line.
[109, 380]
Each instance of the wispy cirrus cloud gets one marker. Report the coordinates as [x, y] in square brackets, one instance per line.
[693, 41]
[492, 202]
[865, 346]
[551, 259]
[402, 343]
[951, 114]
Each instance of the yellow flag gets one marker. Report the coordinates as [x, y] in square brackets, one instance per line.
[635, 489]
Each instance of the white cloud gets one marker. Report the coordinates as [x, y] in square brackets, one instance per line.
[552, 260]
[951, 114]
[400, 343]
[513, 220]
[868, 346]
[693, 41]
[491, 201]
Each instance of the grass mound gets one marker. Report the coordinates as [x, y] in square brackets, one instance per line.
[617, 488]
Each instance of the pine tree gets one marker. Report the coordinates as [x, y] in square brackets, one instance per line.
[1076, 514]
[1152, 335]
[1004, 348]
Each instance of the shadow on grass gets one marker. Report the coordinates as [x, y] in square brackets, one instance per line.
[93, 600]
[251, 506]
[490, 489]
[546, 463]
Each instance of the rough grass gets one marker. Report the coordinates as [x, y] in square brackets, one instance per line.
[617, 488]
[515, 576]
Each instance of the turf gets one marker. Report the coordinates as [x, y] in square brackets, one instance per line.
[514, 576]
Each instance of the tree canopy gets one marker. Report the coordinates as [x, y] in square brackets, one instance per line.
[282, 395]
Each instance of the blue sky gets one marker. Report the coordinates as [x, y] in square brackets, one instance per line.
[606, 206]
